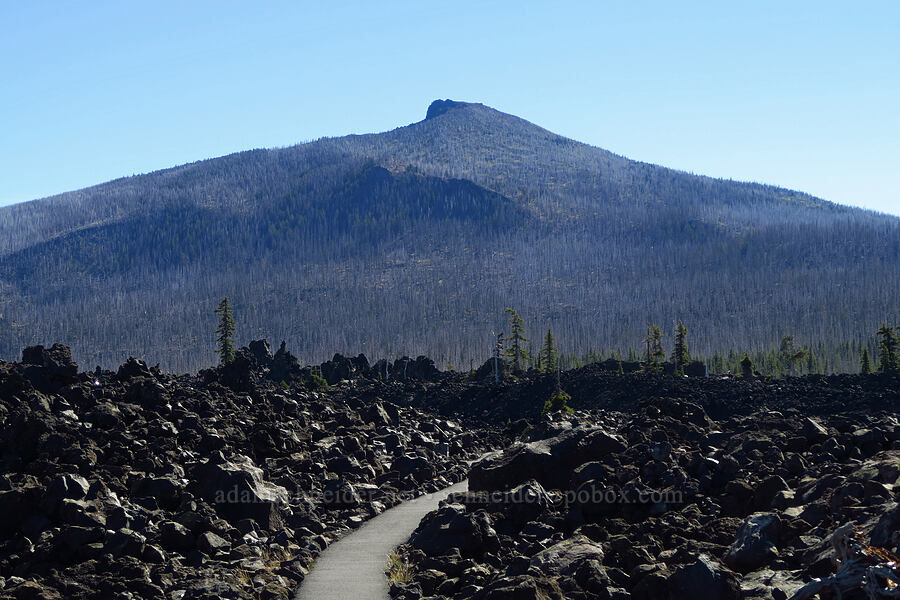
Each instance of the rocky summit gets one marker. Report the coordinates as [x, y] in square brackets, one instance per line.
[136, 483]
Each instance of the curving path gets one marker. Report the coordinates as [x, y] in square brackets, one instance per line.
[353, 567]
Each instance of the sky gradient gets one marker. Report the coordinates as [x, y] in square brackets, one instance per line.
[806, 96]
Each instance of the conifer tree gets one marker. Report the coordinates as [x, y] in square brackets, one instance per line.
[225, 331]
[498, 351]
[680, 354]
[655, 353]
[516, 351]
[865, 367]
[746, 366]
[812, 364]
[548, 354]
[888, 343]
[789, 355]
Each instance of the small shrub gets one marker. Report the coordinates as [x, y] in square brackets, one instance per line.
[274, 557]
[524, 435]
[316, 383]
[398, 569]
[556, 402]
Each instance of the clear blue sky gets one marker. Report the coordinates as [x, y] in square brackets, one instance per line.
[800, 94]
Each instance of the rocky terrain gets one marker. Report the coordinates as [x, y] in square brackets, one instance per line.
[598, 386]
[227, 484]
[665, 488]
[230, 482]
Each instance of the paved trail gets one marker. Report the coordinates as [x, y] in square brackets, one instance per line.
[353, 567]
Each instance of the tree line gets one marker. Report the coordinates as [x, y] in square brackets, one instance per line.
[517, 352]
[789, 359]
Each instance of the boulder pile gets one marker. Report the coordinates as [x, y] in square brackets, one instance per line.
[139, 484]
[665, 501]
[229, 483]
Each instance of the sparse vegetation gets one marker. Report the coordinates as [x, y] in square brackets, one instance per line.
[274, 556]
[225, 331]
[516, 351]
[316, 383]
[889, 355]
[559, 401]
[548, 354]
[524, 434]
[746, 366]
[399, 570]
[681, 356]
[655, 353]
[789, 355]
[865, 366]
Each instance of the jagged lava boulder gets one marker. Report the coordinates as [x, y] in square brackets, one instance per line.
[549, 461]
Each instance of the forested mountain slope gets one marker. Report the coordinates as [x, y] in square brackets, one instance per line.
[415, 240]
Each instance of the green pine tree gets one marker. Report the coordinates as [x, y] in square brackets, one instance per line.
[889, 360]
[681, 356]
[225, 331]
[746, 366]
[548, 353]
[789, 355]
[498, 352]
[516, 351]
[865, 367]
[655, 352]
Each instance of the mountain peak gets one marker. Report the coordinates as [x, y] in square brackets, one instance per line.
[439, 107]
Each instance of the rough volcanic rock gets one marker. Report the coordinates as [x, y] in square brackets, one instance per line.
[886, 532]
[340, 367]
[450, 527]
[49, 369]
[754, 546]
[549, 461]
[118, 486]
[132, 368]
[142, 484]
[705, 579]
[567, 556]
[421, 369]
[238, 490]
[522, 587]
[260, 351]
[676, 483]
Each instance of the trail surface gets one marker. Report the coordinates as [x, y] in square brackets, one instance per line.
[353, 567]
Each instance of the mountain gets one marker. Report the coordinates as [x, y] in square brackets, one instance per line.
[415, 240]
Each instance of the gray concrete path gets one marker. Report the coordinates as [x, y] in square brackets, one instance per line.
[353, 567]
